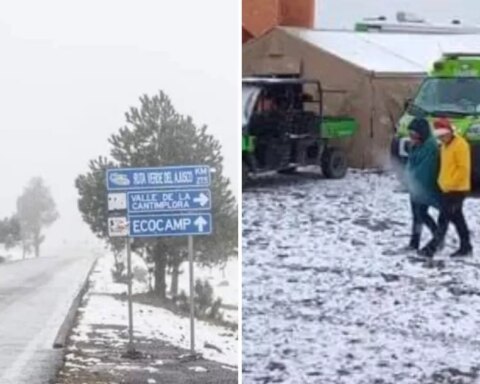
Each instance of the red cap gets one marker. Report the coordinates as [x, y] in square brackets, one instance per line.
[442, 126]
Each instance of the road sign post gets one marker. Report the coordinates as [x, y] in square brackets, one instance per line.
[180, 224]
[160, 202]
[131, 179]
[131, 347]
[192, 295]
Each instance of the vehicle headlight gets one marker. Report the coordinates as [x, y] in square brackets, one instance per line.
[474, 130]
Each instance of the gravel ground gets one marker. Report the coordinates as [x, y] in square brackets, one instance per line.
[327, 297]
[98, 361]
[96, 349]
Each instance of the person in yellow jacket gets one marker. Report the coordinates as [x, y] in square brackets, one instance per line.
[454, 180]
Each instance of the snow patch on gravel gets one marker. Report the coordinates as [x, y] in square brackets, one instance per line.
[149, 322]
[325, 300]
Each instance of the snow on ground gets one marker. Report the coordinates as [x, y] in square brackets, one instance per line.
[149, 322]
[224, 281]
[105, 283]
[12, 254]
[325, 300]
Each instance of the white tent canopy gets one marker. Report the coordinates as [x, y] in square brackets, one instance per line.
[388, 53]
[372, 75]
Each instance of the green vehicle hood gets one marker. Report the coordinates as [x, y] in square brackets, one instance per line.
[466, 126]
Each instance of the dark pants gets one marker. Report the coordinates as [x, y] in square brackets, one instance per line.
[451, 211]
[420, 217]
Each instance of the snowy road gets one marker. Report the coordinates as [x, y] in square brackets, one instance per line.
[325, 300]
[35, 296]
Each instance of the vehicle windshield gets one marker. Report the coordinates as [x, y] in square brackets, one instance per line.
[249, 97]
[447, 97]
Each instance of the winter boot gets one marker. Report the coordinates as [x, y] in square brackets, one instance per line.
[465, 246]
[463, 251]
[428, 251]
[414, 243]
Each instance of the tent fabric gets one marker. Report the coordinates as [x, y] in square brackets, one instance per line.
[374, 99]
[388, 52]
[372, 73]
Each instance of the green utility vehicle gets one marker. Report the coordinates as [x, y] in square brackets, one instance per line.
[284, 127]
[451, 90]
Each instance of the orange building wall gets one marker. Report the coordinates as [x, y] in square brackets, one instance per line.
[259, 16]
[298, 13]
[246, 35]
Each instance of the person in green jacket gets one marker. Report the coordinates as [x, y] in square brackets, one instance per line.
[422, 173]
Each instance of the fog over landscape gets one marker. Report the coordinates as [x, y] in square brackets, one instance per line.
[68, 80]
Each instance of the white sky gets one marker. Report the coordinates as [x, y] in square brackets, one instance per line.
[344, 13]
[69, 70]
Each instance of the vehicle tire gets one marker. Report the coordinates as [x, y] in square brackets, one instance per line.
[334, 163]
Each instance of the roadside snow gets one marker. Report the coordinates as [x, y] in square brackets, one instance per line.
[198, 369]
[12, 254]
[105, 282]
[224, 282]
[149, 322]
[325, 299]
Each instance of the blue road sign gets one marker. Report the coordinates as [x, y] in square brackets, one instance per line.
[170, 225]
[131, 179]
[169, 201]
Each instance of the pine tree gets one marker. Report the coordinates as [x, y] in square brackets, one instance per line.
[10, 232]
[156, 135]
[35, 211]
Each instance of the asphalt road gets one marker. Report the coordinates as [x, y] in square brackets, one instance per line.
[35, 296]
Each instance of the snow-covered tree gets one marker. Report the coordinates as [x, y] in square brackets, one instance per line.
[157, 135]
[9, 232]
[36, 210]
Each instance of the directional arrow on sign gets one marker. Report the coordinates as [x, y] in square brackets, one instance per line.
[202, 199]
[200, 223]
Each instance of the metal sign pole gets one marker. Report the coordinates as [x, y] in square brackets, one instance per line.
[130, 309]
[192, 296]
[188, 213]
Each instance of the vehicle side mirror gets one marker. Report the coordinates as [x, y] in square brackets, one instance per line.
[407, 103]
